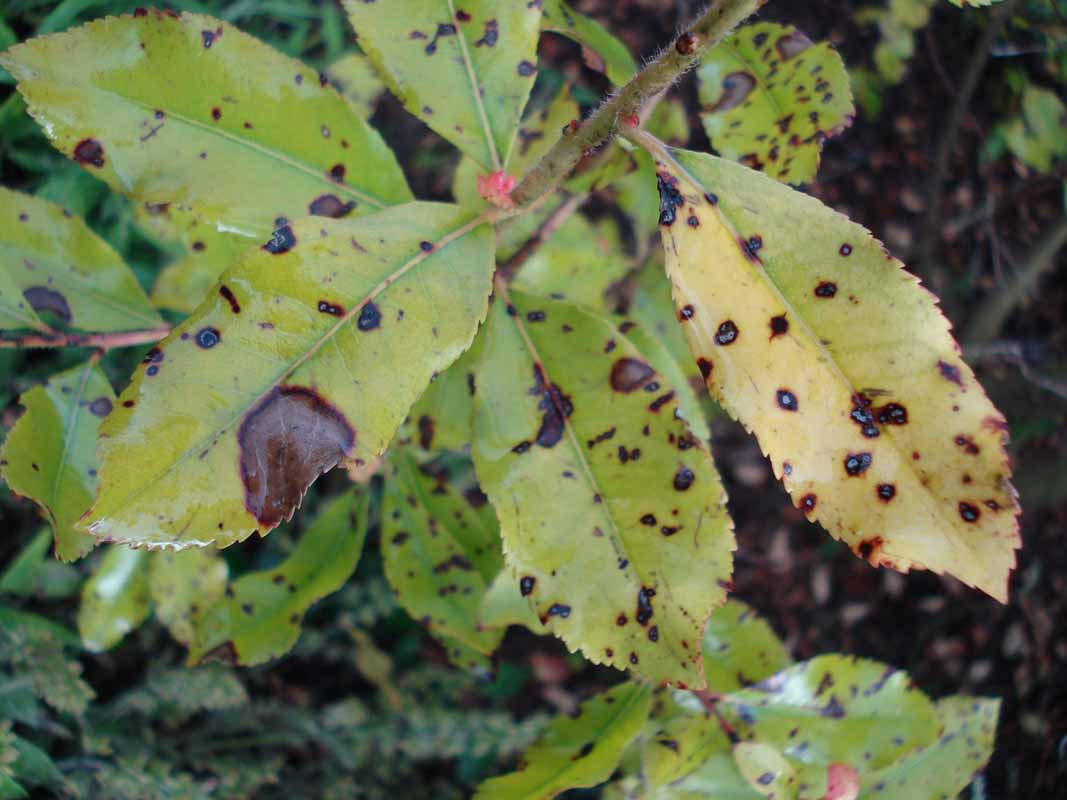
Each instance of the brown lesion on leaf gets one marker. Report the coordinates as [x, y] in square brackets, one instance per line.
[630, 374]
[736, 87]
[89, 151]
[290, 438]
[42, 298]
[330, 205]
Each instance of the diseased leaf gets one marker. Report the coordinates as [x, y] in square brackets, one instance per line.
[691, 752]
[578, 752]
[259, 617]
[771, 97]
[183, 584]
[766, 770]
[51, 263]
[359, 84]
[287, 361]
[1036, 135]
[50, 454]
[945, 767]
[740, 648]
[115, 600]
[466, 72]
[440, 546]
[611, 512]
[503, 605]
[601, 50]
[441, 419]
[819, 342]
[254, 136]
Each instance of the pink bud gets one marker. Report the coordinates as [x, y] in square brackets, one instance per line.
[496, 187]
[842, 782]
[631, 120]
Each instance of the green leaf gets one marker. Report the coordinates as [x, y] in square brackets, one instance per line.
[34, 767]
[300, 337]
[771, 97]
[182, 585]
[796, 316]
[50, 453]
[692, 752]
[188, 108]
[259, 618]
[601, 51]
[34, 573]
[1036, 136]
[359, 84]
[945, 767]
[577, 752]
[441, 546]
[767, 771]
[464, 72]
[504, 605]
[442, 416]
[51, 263]
[740, 648]
[115, 600]
[612, 514]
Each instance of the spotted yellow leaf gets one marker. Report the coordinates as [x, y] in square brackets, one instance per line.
[819, 342]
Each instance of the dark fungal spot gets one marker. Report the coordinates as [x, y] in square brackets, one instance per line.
[969, 512]
[968, 445]
[670, 199]
[216, 113]
[281, 241]
[857, 463]
[705, 367]
[152, 371]
[808, 501]
[369, 317]
[41, 298]
[399, 538]
[787, 401]
[326, 307]
[556, 406]
[521, 448]
[620, 620]
[660, 401]
[735, 88]
[792, 44]
[693, 222]
[208, 38]
[845, 249]
[886, 491]
[526, 69]
[463, 16]
[683, 478]
[443, 29]
[687, 312]
[826, 290]
[290, 438]
[868, 547]
[89, 151]
[492, 33]
[337, 173]
[330, 205]
[765, 779]
[526, 584]
[630, 374]
[950, 373]
[653, 634]
[535, 316]
[559, 610]
[100, 407]
[779, 325]
[648, 519]
[128, 403]
[670, 530]
[426, 431]
[892, 414]
[751, 247]
[727, 333]
[633, 658]
[644, 605]
[862, 415]
[206, 338]
[228, 296]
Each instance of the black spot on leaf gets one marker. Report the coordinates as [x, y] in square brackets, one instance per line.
[670, 199]
[206, 338]
[857, 463]
[369, 317]
[826, 290]
[281, 241]
[526, 584]
[630, 374]
[41, 298]
[100, 407]
[89, 151]
[727, 333]
[787, 401]
[683, 478]
[330, 205]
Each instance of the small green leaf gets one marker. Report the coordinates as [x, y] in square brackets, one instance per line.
[187, 108]
[50, 453]
[771, 97]
[1036, 136]
[441, 546]
[182, 585]
[359, 84]
[577, 752]
[612, 514]
[34, 573]
[767, 771]
[601, 50]
[441, 419]
[795, 314]
[740, 648]
[51, 263]
[259, 618]
[115, 600]
[286, 362]
[945, 767]
[34, 767]
[464, 72]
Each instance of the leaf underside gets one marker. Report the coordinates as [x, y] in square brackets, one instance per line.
[611, 512]
[819, 342]
[310, 352]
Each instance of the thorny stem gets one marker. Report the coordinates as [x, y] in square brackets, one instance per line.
[102, 341]
[685, 52]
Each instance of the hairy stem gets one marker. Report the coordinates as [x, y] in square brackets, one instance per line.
[721, 17]
[103, 341]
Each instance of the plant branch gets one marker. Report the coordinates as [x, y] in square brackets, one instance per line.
[721, 17]
[104, 341]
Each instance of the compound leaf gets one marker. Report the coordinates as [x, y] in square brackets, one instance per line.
[577, 752]
[259, 617]
[287, 361]
[115, 600]
[601, 50]
[52, 263]
[819, 342]
[50, 453]
[771, 97]
[465, 72]
[441, 546]
[182, 584]
[611, 512]
[186, 108]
